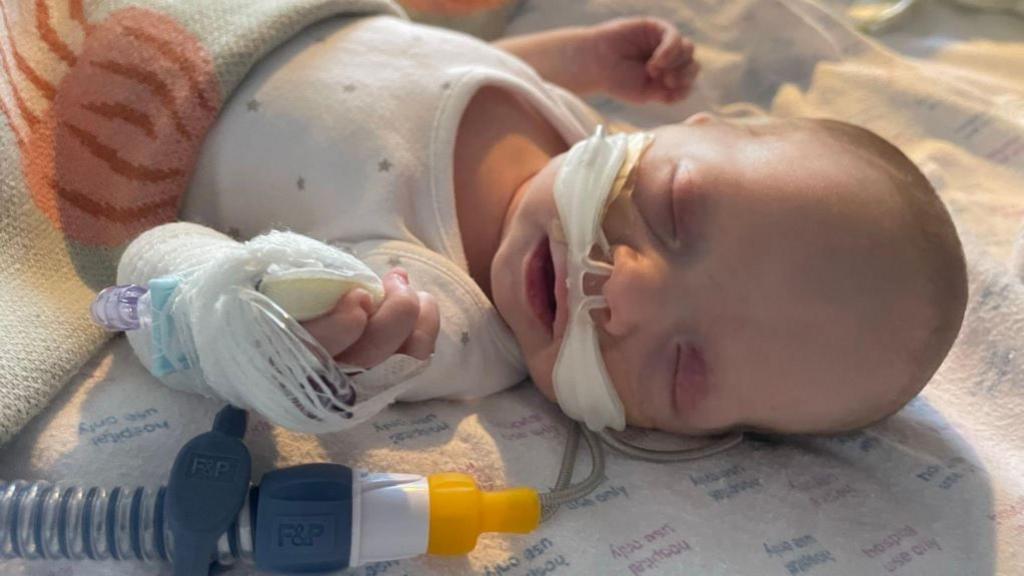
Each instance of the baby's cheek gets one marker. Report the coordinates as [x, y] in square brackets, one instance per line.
[719, 411]
[541, 368]
[639, 399]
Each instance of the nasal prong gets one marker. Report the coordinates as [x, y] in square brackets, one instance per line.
[598, 267]
[593, 284]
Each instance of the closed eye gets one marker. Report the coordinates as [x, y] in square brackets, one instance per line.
[690, 208]
[656, 209]
[673, 216]
[680, 184]
[676, 368]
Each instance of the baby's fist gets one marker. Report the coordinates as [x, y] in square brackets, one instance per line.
[355, 332]
[643, 59]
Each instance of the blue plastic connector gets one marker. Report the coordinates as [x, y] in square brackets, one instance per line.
[208, 485]
[304, 519]
[167, 355]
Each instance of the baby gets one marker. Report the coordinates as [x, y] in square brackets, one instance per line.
[792, 275]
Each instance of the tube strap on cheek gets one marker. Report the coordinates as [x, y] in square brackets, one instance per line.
[594, 172]
[582, 384]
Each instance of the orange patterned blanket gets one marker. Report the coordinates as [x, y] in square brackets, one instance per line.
[104, 108]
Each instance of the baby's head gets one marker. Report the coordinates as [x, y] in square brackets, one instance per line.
[789, 275]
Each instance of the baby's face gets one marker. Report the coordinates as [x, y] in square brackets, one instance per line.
[744, 291]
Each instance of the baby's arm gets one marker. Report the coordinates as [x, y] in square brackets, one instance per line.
[634, 59]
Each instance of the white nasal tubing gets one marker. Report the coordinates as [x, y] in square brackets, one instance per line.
[595, 172]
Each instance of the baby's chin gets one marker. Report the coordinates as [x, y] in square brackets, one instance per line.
[544, 384]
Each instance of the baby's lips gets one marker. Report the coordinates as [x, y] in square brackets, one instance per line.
[558, 257]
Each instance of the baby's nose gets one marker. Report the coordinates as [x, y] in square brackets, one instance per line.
[633, 292]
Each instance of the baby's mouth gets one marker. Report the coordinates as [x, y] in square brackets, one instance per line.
[540, 284]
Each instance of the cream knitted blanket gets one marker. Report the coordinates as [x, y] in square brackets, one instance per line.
[104, 107]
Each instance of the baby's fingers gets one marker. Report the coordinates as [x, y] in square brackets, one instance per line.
[673, 52]
[344, 324]
[677, 84]
[389, 327]
[687, 77]
[421, 343]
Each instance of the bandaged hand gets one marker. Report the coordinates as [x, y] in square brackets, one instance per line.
[642, 59]
[357, 333]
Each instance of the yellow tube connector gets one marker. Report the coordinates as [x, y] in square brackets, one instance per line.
[460, 512]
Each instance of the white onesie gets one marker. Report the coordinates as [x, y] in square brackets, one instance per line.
[346, 134]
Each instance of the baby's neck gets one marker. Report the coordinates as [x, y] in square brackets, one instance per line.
[502, 142]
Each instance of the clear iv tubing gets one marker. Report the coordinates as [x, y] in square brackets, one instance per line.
[563, 492]
[44, 521]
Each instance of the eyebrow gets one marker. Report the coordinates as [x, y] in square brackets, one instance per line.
[672, 201]
[636, 206]
[695, 210]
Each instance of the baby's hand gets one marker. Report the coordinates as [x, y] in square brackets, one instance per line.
[643, 59]
[354, 332]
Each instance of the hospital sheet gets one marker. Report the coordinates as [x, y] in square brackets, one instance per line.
[938, 489]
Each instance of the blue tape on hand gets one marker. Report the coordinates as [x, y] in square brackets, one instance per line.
[167, 355]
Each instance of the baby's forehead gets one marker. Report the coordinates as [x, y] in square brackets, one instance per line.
[717, 131]
[798, 132]
[743, 142]
[807, 161]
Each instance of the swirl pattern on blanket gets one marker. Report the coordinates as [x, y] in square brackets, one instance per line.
[110, 153]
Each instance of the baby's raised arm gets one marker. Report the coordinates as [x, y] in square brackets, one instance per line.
[633, 59]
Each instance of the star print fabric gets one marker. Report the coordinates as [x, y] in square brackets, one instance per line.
[346, 134]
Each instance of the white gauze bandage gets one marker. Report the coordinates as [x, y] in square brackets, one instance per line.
[225, 323]
[595, 172]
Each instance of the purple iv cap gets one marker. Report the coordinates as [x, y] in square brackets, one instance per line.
[116, 308]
